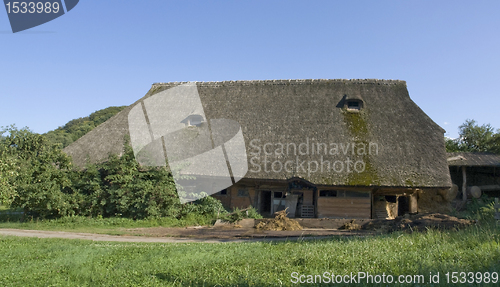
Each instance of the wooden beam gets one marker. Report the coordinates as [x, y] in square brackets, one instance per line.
[464, 185]
[372, 213]
[489, 187]
[315, 202]
[413, 203]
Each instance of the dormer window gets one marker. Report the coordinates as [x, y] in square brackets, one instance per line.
[354, 105]
[351, 103]
[193, 120]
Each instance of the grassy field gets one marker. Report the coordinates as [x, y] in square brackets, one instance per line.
[11, 218]
[60, 262]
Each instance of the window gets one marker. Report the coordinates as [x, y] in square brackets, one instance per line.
[356, 194]
[222, 192]
[354, 105]
[328, 193]
[242, 192]
[342, 193]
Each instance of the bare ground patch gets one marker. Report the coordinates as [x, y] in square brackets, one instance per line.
[418, 222]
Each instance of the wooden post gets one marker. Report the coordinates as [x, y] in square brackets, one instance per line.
[413, 203]
[371, 205]
[464, 185]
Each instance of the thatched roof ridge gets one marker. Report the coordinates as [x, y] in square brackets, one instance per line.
[410, 145]
[285, 82]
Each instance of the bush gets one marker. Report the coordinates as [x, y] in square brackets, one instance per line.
[44, 185]
[238, 214]
[253, 213]
[208, 206]
[480, 209]
[120, 187]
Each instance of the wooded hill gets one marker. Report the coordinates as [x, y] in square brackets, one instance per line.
[76, 128]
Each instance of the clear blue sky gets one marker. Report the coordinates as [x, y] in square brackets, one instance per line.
[108, 53]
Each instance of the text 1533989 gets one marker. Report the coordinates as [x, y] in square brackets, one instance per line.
[32, 7]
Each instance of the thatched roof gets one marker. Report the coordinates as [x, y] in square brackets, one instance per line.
[473, 159]
[407, 146]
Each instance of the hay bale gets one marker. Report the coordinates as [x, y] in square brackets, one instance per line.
[392, 209]
[475, 191]
[437, 198]
[430, 201]
[449, 194]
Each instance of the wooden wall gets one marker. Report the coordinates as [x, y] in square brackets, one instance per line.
[224, 199]
[232, 200]
[344, 207]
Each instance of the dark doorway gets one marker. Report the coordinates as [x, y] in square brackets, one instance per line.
[391, 198]
[403, 205]
[265, 204]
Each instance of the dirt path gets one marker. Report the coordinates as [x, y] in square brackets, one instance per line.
[246, 232]
[103, 237]
[272, 236]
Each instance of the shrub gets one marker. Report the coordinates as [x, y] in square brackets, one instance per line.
[238, 214]
[44, 184]
[480, 209]
[121, 187]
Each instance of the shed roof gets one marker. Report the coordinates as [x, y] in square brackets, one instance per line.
[410, 146]
[473, 159]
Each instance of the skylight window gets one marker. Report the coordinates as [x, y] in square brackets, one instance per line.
[193, 120]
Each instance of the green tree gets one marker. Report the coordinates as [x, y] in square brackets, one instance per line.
[453, 145]
[475, 138]
[41, 174]
[8, 170]
[494, 143]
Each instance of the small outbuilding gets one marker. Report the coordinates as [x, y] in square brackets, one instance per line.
[476, 172]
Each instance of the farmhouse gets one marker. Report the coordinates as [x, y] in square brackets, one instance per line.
[321, 148]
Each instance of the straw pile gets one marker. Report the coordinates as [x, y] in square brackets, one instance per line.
[279, 223]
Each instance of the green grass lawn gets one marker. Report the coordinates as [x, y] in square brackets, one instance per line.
[61, 262]
[12, 218]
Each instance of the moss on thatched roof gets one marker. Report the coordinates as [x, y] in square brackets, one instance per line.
[407, 147]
